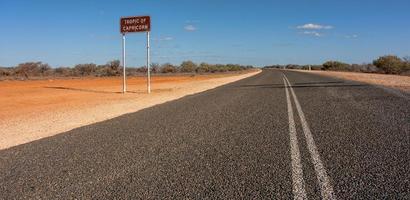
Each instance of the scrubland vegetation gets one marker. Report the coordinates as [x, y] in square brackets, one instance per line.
[388, 64]
[38, 70]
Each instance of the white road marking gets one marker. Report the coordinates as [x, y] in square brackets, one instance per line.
[299, 191]
[326, 188]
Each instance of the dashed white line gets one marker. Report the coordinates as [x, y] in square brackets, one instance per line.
[299, 191]
[326, 188]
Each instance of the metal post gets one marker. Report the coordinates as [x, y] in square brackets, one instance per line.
[148, 65]
[124, 85]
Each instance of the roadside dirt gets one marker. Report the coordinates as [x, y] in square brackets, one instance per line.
[392, 81]
[31, 110]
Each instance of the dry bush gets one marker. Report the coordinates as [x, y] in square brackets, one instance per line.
[63, 71]
[112, 68]
[202, 68]
[336, 66]
[211, 68]
[168, 68]
[391, 64]
[6, 71]
[155, 68]
[30, 69]
[188, 67]
[85, 69]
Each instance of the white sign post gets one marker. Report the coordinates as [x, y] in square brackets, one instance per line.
[124, 84]
[132, 25]
[148, 65]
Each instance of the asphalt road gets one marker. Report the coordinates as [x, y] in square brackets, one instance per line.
[258, 138]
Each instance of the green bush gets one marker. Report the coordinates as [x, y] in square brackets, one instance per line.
[202, 68]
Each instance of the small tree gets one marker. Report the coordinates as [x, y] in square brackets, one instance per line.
[390, 64]
[155, 67]
[32, 69]
[202, 68]
[85, 69]
[114, 67]
[188, 66]
[168, 68]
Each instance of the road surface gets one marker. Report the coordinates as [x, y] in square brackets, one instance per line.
[276, 135]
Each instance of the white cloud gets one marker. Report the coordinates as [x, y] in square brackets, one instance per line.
[314, 27]
[190, 28]
[313, 33]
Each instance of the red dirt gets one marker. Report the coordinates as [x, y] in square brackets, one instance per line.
[20, 97]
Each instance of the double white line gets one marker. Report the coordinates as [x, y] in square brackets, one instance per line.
[299, 191]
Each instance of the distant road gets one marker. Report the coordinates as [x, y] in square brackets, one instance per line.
[276, 135]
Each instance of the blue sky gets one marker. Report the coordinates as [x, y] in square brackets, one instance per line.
[68, 32]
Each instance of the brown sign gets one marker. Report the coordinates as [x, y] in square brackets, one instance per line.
[135, 24]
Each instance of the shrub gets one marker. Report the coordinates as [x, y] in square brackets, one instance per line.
[114, 68]
[335, 65]
[85, 69]
[233, 67]
[202, 68]
[5, 71]
[63, 71]
[132, 71]
[407, 65]
[168, 68]
[188, 66]
[222, 68]
[390, 64]
[317, 67]
[214, 68]
[155, 67]
[369, 68]
[292, 66]
[141, 69]
[32, 69]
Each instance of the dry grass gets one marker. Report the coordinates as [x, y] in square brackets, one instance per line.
[393, 81]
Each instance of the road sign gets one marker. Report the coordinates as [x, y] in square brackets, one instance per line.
[135, 24]
[132, 25]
